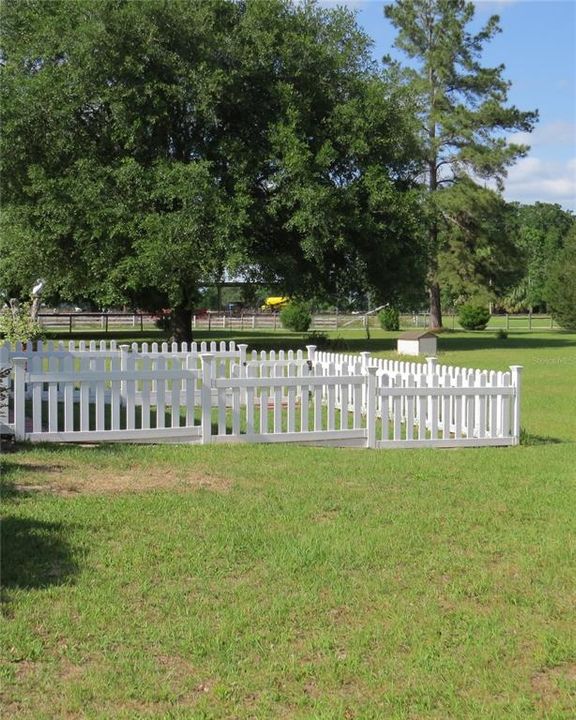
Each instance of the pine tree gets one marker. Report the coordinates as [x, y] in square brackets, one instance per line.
[462, 110]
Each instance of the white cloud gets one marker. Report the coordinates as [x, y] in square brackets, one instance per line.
[556, 133]
[533, 178]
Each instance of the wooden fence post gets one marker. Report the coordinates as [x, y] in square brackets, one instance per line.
[516, 373]
[19, 364]
[207, 360]
[371, 407]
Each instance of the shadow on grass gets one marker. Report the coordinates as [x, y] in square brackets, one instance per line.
[35, 554]
[447, 342]
[529, 439]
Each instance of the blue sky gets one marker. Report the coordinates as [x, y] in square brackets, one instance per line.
[538, 47]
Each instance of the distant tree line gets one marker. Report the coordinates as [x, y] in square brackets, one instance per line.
[148, 148]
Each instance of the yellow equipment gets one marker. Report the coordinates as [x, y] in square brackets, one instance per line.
[275, 303]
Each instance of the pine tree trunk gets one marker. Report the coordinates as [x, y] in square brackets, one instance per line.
[435, 305]
[182, 324]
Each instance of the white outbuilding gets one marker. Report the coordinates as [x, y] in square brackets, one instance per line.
[416, 342]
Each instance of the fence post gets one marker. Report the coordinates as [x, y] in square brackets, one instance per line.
[365, 355]
[507, 321]
[432, 363]
[371, 406]
[19, 364]
[311, 352]
[242, 347]
[124, 350]
[516, 373]
[207, 360]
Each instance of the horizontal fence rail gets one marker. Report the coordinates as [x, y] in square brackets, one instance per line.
[221, 392]
[213, 320]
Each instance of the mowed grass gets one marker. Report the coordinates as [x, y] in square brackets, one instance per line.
[290, 582]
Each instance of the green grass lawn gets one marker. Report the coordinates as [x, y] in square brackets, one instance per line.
[286, 582]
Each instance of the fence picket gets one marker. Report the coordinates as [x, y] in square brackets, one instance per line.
[278, 372]
[235, 403]
[251, 371]
[53, 396]
[422, 405]
[99, 364]
[84, 397]
[291, 396]
[410, 383]
[160, 395]
[470, 409]
[36, 366]
[446, 407]
[263, 403]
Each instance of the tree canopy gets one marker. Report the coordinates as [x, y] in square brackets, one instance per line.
[538, 232]
[463, 117]
[560, 288]
[148, 146]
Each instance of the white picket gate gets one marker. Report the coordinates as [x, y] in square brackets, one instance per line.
[221, 393]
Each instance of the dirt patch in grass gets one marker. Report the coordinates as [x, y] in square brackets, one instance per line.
[89, 480]
[549, 687]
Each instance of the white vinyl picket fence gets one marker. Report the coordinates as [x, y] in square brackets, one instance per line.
[220, 392]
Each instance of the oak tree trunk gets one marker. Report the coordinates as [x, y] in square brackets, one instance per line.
[182, 324]
[435, 305]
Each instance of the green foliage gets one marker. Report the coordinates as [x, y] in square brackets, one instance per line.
[319, 339]
[389, 319]
[19, 326]
[538, 232]
[296, 316]
[560, 290]
[473, 317]
[149, 147]
[501, 334]
[477, 257]
[463, 115]
[4, 373]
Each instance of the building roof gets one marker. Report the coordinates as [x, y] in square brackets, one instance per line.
[416, 335]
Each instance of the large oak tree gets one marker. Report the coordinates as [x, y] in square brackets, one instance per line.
[148, 146]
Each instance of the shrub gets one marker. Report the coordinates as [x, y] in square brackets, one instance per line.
[389, 319]
[319, 339]
[163, 320]
[19, 326]
[501, 334]
[473, 317]
[296, 316]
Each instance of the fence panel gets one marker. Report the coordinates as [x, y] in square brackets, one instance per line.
[93, 392]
